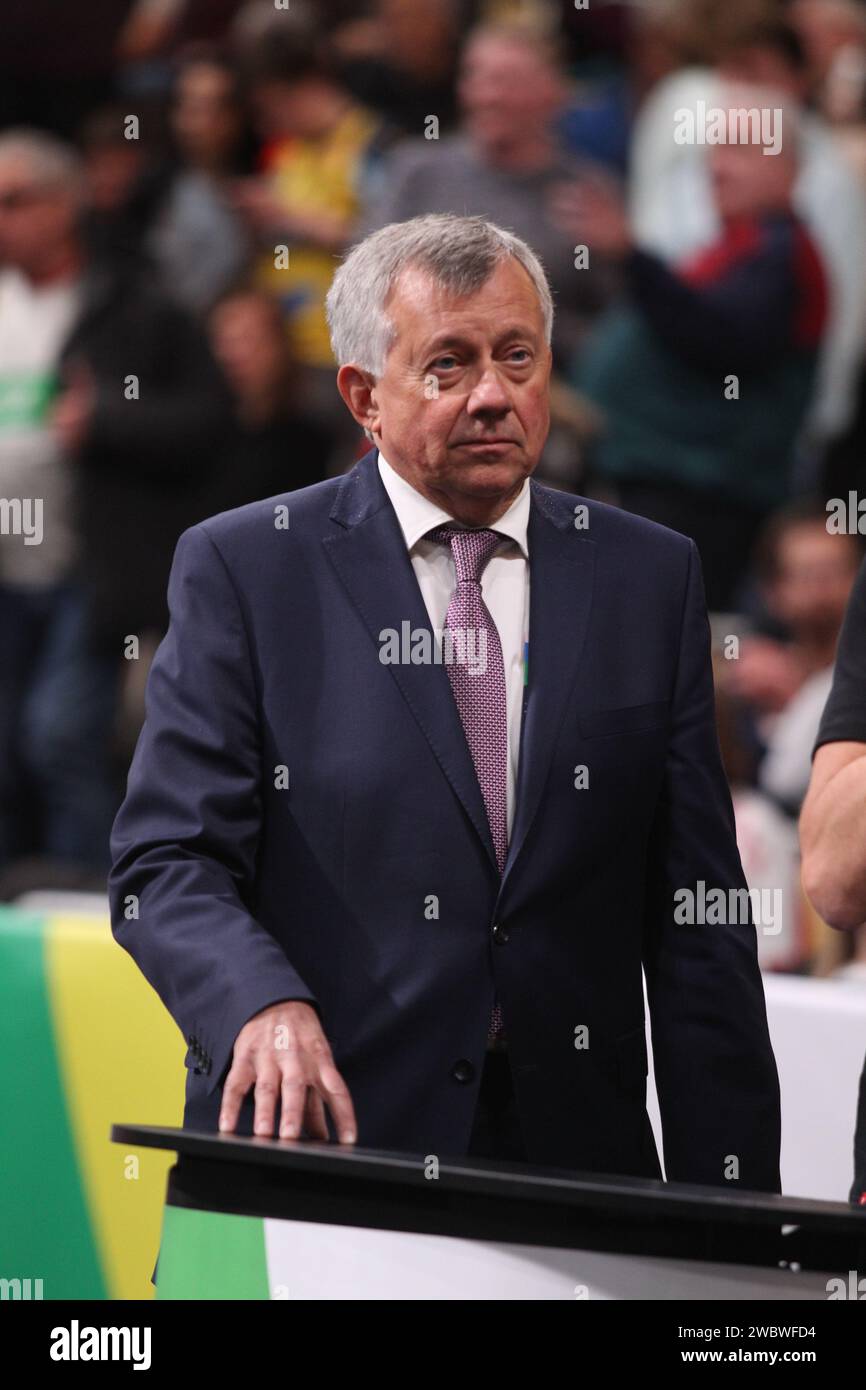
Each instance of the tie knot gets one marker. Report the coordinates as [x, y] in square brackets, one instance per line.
[471, 549]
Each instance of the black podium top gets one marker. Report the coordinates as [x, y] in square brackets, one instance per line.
[512, 1202]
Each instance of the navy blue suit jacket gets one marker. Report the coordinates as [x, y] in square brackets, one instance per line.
[249, 892]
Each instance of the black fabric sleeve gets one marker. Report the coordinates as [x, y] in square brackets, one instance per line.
[844, 716]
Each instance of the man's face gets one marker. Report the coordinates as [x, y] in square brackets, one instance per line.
[34, 217]
[461, 410]
[748, 183]
[505, 89]
[815, 574]
[205, 118]
[250, 346]
[111, 172]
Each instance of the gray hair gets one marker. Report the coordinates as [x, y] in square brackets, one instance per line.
[50, 162]
[460, 253]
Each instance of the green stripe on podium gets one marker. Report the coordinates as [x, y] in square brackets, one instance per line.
[44, 1220]
[206, 1254]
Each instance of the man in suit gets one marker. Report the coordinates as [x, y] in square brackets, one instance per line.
[429, 762]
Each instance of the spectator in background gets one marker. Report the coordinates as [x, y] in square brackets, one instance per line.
[273, 447]
[197, 238]
[675, 215]
[56, 697]
[321, 148]
[113, 409]
[505, 164]
[806, 574]
[833, 35]
[173, 206]
[401, 61]
[123, 187]
[745, 316]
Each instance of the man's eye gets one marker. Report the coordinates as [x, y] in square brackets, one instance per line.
[446, 362]
[522, 353]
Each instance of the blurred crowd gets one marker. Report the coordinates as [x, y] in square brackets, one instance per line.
[178, 179]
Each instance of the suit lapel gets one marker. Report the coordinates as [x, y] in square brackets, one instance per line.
[369, 554]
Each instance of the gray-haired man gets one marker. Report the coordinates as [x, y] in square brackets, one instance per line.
[403, 898]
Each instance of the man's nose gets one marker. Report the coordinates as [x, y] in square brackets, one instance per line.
[489, 396]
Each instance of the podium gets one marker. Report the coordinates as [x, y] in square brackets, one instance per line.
[253, 1218]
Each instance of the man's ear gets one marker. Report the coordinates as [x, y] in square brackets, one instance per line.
[358, 390]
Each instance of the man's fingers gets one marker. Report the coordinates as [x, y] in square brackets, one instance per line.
[336, 1093]
[294, 1095]
[267, 1089]
[314, 1116]
[237, 1083]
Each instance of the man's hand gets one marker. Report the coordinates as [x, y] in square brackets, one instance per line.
[282, 1051]
[255, 200]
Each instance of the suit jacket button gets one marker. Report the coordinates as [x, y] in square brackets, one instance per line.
[463, 1071]
[500, 934]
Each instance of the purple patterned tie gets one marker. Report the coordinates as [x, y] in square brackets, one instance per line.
[476, 670]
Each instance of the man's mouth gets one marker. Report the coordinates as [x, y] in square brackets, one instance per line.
[495, 442]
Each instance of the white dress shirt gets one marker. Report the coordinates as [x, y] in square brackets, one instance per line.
[504, 587]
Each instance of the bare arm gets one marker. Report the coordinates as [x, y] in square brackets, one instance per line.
[833, 835]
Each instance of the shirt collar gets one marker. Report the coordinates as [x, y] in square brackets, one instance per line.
[417, 514]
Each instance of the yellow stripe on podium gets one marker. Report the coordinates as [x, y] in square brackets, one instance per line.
[121, 1058]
